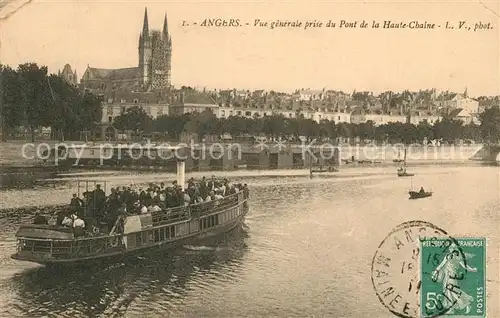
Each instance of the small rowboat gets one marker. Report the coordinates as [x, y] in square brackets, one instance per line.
[403, 173]
[419, 195]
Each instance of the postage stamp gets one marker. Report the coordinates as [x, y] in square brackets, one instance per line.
[395, 268]
[453, 277]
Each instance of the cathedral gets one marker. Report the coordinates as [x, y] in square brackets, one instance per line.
[152, 73]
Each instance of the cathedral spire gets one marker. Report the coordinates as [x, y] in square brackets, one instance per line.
[165, 25]
[145, 27]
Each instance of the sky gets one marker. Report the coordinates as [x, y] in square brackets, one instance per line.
[104, 34]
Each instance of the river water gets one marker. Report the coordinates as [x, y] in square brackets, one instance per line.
[305, 250]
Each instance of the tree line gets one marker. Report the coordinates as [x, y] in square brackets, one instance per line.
[33, 98]
[277, 126]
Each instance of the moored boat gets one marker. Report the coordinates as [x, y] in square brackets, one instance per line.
[321, 169]
[398, 159]
[402, 173]
[402, 170]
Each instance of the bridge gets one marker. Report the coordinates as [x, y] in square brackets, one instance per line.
[488, 153]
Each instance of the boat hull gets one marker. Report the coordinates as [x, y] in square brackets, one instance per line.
[112, 257]
[406, 174]
[48, 245]
[417, 195]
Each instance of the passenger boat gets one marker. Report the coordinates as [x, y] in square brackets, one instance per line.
[170, 228]
[419, 195]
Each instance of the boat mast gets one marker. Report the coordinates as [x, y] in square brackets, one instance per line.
[404, 160]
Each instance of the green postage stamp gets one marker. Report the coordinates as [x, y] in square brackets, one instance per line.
[453, 278]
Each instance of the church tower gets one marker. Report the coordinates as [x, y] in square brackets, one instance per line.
[145, 51]
[161, 60]
[155, 56]
[168, 48]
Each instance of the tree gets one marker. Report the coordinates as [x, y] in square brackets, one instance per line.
[11, 113]
[34, 95]
[490, 124]
[472, 132]
[424, 131]
[172, 125]
[273, 126]
[448, 129]
[134, 118]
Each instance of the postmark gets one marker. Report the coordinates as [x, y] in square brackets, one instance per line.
[395, 270]
[448, 282]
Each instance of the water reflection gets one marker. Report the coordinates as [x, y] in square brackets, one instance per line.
[309, 248]
[160, 275]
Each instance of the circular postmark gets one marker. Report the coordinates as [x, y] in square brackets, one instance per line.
[398, 265]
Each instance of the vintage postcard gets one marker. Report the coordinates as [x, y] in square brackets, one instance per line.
[249, 158]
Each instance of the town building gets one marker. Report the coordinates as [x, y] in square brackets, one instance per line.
[308, 94]
[69, 75]
[464, 116]
[192, 101]
[459, 101]
[360, 115]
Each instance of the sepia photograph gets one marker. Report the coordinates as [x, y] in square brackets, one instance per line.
[249, 158]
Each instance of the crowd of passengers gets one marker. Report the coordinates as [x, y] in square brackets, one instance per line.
[96, 210]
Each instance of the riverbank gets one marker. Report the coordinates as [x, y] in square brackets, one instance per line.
[24, 153]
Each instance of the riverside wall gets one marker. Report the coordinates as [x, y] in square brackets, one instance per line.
[11, 153]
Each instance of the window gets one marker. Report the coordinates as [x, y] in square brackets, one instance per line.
[136, 101]
[110, 119]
